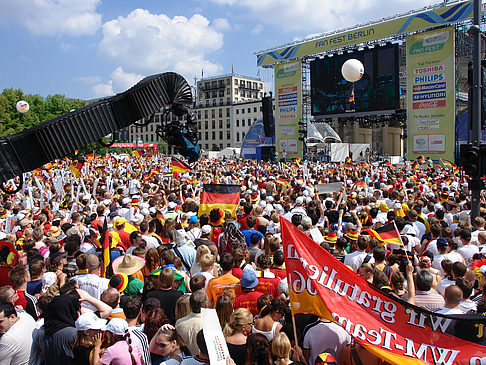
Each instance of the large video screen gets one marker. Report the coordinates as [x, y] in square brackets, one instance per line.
[377, 90]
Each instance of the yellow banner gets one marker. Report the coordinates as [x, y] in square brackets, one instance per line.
[427, 19]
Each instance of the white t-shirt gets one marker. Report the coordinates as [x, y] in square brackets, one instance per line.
[467, 306]
[468, 251]
[151, 241]
[448, 311]
[94, 285]
[441, 287]
[15, 344]
[325, 335]
[355, 259]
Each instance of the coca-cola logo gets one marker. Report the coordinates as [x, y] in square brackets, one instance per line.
[429, 104]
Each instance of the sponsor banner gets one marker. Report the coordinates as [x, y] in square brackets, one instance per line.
[430, 94]
[394, 330]
[288, 92]
[134, 145]
[410, 23]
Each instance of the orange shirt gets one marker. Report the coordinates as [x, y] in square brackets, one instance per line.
[217, 285]
[138, 275]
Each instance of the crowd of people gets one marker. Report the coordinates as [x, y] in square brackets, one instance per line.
[66, 300]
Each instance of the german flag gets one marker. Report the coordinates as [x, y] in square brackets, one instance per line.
[421, 159]
[179, 166]
[376, 235]
[282, 181]
[106, 247]
[90, 156]
[447, 164]
[222, 196]
[76, 167]
[389, 234]
[414, 165]
[348, 160]
[137, 153]
[294, 166]
[360, 184]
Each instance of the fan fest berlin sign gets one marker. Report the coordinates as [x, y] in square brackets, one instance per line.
[456, 12]
[430, 94]
[392, 329]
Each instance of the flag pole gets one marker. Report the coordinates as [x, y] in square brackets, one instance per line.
[401, 242]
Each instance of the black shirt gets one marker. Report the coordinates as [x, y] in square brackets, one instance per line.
[167, 299]
[238, 353]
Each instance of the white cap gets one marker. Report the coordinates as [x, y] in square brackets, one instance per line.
[48, 279]
[206, 229]
[299, 200]
[117, 326]
[126, 201]
[89, 321]
[269, 198]
[263, 203]
[171, 205]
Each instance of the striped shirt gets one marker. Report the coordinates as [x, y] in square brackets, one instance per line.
[429, 300]
[137, 335]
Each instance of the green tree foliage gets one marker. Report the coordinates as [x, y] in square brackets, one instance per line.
[41, 110]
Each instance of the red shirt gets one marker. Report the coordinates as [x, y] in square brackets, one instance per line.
[4, 276]
[248, 301]
[124, 239]
[282, 274]
[21, 301]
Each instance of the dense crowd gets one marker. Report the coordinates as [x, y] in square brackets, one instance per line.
[65, 300]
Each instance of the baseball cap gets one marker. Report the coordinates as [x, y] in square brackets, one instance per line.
[117, 326]
[89, 321]
[249, 279]
[171, 205]
[193, 219]
[206, 229]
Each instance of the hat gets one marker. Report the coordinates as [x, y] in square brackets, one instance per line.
[442, 242]
[134, 287]
[57, 256]
[383, 207]
[254, 196]
[180, 237]
[171, 205]
[206, 229]
[299, 200]
[24, 222]
[352, 235]
[89, 321]
[119, 282]
[119, 221]
[54, 231]
[48, 279]
[126, 201]
[117, 326]
[135, 201]
[249, 279]
[128, 264]
[331, 238]
[193, 219]
[326, 359]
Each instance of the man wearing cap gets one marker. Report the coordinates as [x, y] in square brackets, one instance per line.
[192, 229]
[119, 226]
[172, 211]
[204, 238]
[16, 335]
[24, 224]
[248, 297]
[92, 282]
[126, 211]
[130, 265]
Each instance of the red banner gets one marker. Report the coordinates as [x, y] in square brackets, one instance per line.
[390, 328]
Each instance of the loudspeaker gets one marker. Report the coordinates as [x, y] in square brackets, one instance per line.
[268, 125]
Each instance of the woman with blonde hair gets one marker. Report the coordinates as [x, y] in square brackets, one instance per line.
[281, 350]
[196, 266]
[235, 333]
[182, 307]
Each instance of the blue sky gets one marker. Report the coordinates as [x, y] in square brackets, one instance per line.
[93, 48]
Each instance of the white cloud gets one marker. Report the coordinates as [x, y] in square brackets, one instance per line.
[53, 17]
[322, 15]
[101, 90]
[257, 30]
[143, 44]
[221, 24]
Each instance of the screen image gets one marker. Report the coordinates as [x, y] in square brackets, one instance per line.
[377, 90]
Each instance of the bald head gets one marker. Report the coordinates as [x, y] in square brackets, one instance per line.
[111, 296]
[452, 296]
[482, 238]
[258, 210]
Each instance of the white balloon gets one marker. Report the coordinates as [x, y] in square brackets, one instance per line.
[22, 106]
[352, 70]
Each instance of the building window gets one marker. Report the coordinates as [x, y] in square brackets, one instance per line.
[228, 112]
[221, 93]
[228, 123]
[220, 112]
[214, 102]
[237, 122]
[236, 81]
[237, 137]
[206, 114]
[213, 124]
[206, 125]
[206, 135]
[220, 124]
[249, 122]
[249, 110]
[260, 86]
[221, 102]
[207, 94]
[236, 91]
[220, 146]
[237, 111]
[207, 103]
[254, 109]
[228, 91]
[243, 135]
[242, 93]
[220, 135]
[228, 135]
[213, 113]
[198, 114]
[228, 100]
[254, 120]
[198, 124]
[214, 135]
[243, 111]
[242, 122]
[228, 81]
[199, 135]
